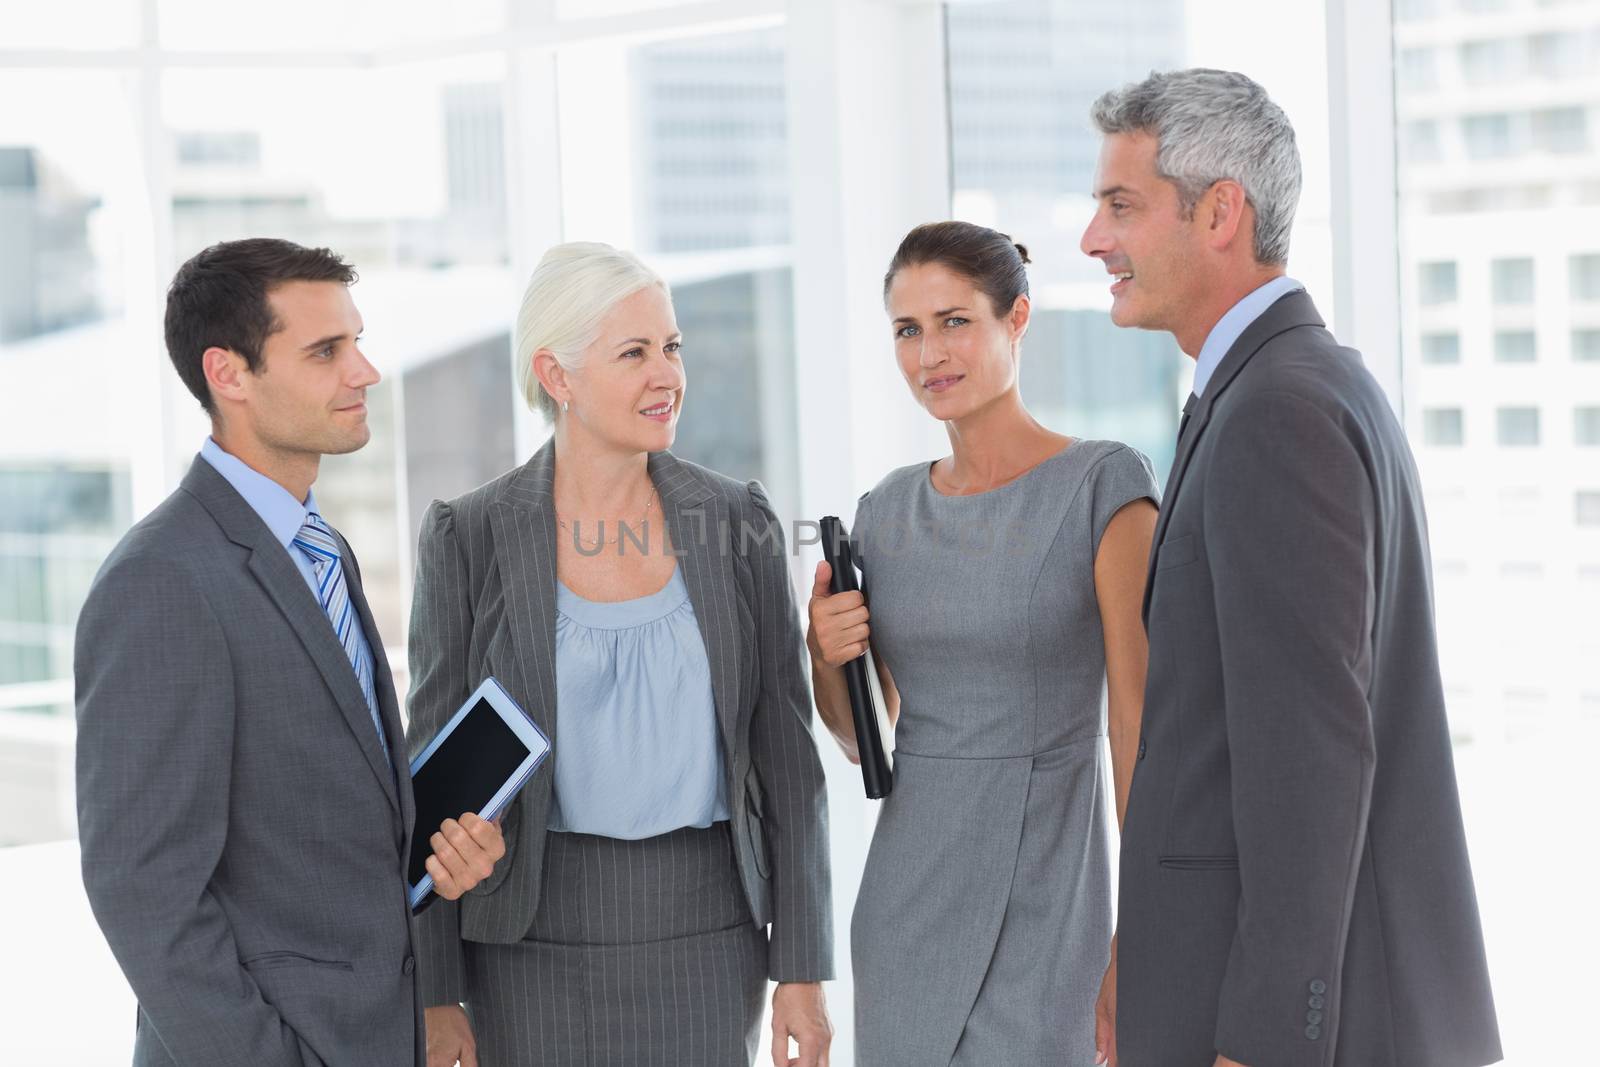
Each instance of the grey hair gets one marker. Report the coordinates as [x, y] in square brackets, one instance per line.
[1211, 126]
[572, 290]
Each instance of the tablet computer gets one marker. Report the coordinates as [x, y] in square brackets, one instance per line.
[483, 755]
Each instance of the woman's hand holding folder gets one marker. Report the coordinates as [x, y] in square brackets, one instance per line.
[839, 632]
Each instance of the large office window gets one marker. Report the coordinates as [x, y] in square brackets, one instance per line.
[679, 149]
[405, 138]
[444, 147]
[1023, 154]
[382, 138]
[1515, 281]
[400, 169]
[1023, 75]
[1514, 208]
[68, 406]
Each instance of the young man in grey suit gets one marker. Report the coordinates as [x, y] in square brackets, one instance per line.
[1295, 889]
[244, 804]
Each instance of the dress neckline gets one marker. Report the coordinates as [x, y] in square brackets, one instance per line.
[927, 475]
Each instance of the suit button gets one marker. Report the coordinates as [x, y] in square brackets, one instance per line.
[1313, 1017]
[1318, 986]
[1141, 748]
[1313, 1032]
[1314, 1001]
[409, 965]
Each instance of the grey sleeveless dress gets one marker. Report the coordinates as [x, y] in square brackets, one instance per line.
[983, 923]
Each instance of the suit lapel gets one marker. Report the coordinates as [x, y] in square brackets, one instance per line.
[702, 541]
[1292, 309]
[282, 581]
[523, 517]
[523, 520]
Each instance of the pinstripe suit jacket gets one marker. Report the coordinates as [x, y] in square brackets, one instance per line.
[485, 604]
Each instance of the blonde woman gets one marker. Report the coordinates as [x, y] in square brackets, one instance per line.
[670, 856]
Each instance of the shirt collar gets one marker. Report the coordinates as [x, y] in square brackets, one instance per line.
[283, 514]
[1235, 322]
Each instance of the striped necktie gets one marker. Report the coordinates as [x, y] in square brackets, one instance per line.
[316, 539]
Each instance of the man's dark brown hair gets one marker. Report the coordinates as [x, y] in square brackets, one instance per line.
[219, 300]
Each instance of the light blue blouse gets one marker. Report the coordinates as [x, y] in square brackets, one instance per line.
[637, 749]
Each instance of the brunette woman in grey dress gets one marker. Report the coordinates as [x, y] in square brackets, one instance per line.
[670, 856]
[1004, 584]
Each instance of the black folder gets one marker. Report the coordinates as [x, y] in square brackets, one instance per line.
[861, 675]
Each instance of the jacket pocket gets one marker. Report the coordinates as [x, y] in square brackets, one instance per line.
[1176, 551]
[754, 822]
[1199, 863]
[265, 960]
[510, 824]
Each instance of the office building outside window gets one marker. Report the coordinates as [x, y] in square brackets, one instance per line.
[1586, 426]
[1500, 245]
[1514, 346]
[1442, 427]
[1587, 507]
[1517, 427]
[1437, 283]
[1586, 346]
[1441, 348]
[1586, 277]
[1512, 280]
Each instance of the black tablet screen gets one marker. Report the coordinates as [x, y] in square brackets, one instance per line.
[462, 775]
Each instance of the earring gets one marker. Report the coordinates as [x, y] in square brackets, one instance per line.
[565, 405]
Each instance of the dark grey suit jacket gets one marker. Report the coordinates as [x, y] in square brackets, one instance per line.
[243, 836]
[485, 605]
[1295, 889]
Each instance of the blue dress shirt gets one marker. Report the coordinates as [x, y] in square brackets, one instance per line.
[1235, 322]
[282, 513]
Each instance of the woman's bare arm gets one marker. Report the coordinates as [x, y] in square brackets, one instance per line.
[1119, 576]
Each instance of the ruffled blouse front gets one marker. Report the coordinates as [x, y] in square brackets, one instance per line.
[637, 750]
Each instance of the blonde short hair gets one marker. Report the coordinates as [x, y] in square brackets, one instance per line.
[572, 290]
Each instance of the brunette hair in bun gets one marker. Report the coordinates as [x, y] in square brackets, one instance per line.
[994, 262]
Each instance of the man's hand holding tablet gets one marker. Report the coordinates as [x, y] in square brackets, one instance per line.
[465, 851]
[474, 764]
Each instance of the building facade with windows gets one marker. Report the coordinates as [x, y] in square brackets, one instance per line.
[1498, 115]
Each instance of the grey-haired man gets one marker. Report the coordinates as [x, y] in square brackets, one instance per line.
[1295, 889]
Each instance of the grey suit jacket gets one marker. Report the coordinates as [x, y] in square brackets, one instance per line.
[1295, 888]
[243, 836]
[485, 605]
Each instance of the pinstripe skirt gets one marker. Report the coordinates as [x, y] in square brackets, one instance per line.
[641, 953]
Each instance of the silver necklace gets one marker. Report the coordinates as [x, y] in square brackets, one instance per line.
[602, 540]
